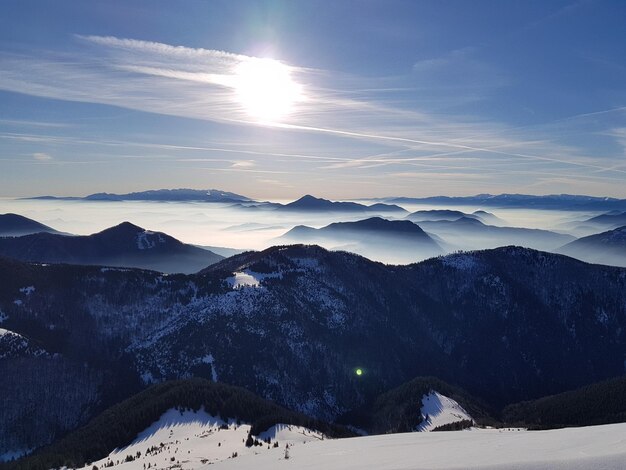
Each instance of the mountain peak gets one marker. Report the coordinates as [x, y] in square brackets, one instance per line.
[124, 227]
[14, 225]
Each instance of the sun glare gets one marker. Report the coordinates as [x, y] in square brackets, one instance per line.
[266, 90]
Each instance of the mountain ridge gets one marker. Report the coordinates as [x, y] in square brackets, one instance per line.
[123, 245]
[507, 324]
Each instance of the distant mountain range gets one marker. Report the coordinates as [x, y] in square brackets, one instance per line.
[447, 214]
[563, 202]
[402, 241]
[14, 225]
[602, 248]
[124, 245]
[163, 195]
[310, 203]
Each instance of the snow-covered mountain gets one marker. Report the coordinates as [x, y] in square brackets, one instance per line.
[193, 439]
[506, 324]
[14, 345]
[124, 245]
[441, 412]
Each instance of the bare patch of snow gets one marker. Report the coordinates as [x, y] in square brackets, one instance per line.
[242, 279]
[209, 359]
[460, 261]
[106, 270]
[147, 239]
[248, 278]
[147, 378]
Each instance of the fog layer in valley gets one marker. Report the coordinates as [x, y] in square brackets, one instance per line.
[235, 226]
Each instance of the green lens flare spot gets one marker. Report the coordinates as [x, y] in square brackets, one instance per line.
[359, 372]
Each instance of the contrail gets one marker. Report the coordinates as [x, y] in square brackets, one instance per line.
[440, 144]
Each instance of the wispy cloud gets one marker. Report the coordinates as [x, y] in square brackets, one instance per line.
[42, 157]
[244, 164]
[198, 83]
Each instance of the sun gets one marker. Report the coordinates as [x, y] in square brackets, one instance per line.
[265, 89]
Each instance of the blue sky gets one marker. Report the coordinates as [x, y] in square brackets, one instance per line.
[384, 98]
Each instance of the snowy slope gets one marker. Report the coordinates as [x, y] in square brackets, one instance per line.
[438, 410]
[190, 439]
[597, 447]
[197, 440]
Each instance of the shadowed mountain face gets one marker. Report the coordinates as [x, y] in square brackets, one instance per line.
[124, 245]
[293, 323]
[376, 238]
[602, 248]
[14, 225]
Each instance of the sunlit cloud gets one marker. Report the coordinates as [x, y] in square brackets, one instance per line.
[42, 157]
[243, 164]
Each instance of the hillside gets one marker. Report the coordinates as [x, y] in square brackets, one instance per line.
[401, 409]
[124, 245]
[471, 233]
[122, 423]
[14, 225]
[292, 323]
[600, 403]
[397, 241]
[602, 248]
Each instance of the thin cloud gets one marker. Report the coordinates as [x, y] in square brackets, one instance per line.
[42, 157]
[244, 164]
[197, 83]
